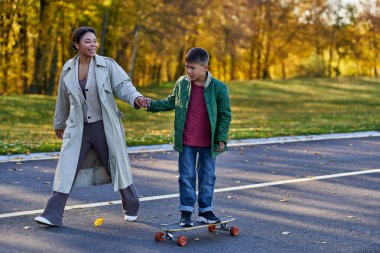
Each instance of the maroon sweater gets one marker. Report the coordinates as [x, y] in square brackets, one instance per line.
[197, 132]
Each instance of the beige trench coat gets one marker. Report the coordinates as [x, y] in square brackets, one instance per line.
[112, 81]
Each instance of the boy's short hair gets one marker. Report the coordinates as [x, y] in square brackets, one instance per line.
[197, 55]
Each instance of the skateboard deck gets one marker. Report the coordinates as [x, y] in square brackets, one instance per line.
[170, 229]
[175, 227]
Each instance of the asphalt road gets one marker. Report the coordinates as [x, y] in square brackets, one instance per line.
[337, 214]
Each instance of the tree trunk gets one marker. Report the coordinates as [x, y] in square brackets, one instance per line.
[252, 58]
[233, 63]
[258, 64]
[104, 31]
[25, 52]
[5, 32]
[168, 71]
[104, 27]
[283, 70]
[38, 74]
[53, 70]
[331, 53]
[134, 50]
[180, 65]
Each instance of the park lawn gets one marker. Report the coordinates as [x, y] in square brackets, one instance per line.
[259, 109]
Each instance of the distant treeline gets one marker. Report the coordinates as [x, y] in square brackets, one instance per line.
[247, 39]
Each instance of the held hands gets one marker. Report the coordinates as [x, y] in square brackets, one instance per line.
[221, 146]
[142, 102]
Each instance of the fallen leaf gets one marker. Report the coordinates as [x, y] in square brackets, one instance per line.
[238, 181]
[284, 200]
[98, 222]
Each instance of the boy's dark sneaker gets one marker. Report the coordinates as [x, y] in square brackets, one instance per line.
[185, 220]
[208, 217]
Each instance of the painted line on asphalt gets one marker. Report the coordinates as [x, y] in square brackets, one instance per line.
[169, 196]
[231, 143]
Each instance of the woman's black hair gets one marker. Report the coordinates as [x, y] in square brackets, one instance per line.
[78, 34]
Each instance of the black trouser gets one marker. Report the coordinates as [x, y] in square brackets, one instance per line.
[93, 137]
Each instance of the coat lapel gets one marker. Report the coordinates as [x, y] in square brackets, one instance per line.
[70, 81]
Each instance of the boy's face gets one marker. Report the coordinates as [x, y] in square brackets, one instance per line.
[196, 71]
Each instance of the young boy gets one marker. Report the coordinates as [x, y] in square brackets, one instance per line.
[201, 123]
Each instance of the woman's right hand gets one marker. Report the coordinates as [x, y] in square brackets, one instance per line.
[59, 133]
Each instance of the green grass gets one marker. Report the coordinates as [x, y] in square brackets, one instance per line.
[259, 109]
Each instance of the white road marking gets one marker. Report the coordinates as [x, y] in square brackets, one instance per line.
[168, 196]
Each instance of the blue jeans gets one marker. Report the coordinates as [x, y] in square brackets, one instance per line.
[188, 175]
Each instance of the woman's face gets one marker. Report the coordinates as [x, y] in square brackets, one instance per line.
[87, 45]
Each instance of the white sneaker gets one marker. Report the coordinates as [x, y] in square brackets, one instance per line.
[130, 218]
[43, 221]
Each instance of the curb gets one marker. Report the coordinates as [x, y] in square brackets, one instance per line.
[231, 143]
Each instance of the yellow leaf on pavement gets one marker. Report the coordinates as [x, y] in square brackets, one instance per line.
[98, 222]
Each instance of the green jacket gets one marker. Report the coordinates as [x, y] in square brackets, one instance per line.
[218, 108]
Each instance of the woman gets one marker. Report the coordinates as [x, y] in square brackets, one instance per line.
[87, 120]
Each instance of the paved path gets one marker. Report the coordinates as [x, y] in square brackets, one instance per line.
[279, 193]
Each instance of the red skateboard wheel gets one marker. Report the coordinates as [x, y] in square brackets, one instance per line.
[234, 231]
[159, 236]
[181, 241]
